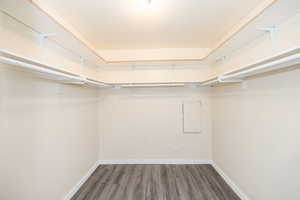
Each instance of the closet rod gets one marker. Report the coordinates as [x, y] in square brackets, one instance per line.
[40, 69]
[79, 79]
[96, 83]
[33, 65]
[153, 85]
[158, 84]
[209, 82]
[278, 64]
[281, 60]
[24, 59]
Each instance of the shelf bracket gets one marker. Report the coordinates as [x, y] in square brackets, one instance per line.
[43, 36]
[82, 62]
[220, 58]
[117, 87]
[272, 31]
[269, 29]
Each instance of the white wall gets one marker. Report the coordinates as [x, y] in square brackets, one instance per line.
[154, 54]
[256, 128]
[48, 136]
[256, 135]
[48, 131]
[160, 72]
[146, 124]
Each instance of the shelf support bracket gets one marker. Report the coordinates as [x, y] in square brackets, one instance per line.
[82, 62]
[220, 59]
[43, 36]
[272, 31]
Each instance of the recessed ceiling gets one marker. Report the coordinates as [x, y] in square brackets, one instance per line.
[136, 24]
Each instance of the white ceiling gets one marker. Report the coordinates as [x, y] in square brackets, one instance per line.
[134, 24]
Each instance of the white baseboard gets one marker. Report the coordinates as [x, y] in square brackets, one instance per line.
[151, 161]
[230, 182]
[81, 182]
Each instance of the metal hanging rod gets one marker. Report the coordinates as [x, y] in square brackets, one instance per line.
[40, 69]
[30, 64]
[25, 59]
[33, 65]
[281, 60]
[159, 84]
[132, 85]
[96, 83]
[278, 64]
[210, 82]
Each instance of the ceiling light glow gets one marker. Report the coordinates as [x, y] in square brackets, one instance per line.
[145, 8]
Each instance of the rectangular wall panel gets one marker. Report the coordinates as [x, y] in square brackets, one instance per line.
[192, 117]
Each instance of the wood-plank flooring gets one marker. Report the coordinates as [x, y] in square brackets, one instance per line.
[155, 182]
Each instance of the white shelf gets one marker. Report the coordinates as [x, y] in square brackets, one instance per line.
[43, 69]
[281, 60]
[25, 13]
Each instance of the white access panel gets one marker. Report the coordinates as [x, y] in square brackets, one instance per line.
[192, 116]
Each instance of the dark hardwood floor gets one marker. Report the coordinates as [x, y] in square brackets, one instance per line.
[155, 182]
